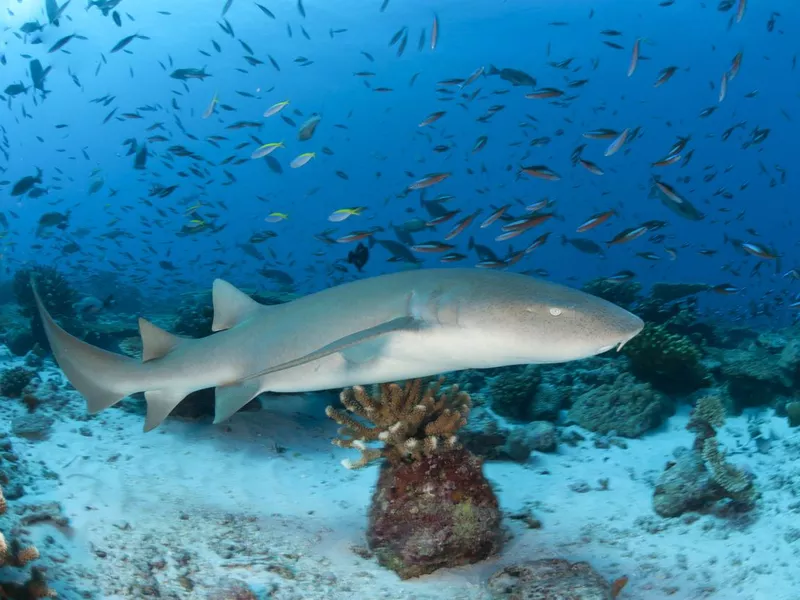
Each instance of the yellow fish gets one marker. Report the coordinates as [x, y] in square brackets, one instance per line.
[276, 217]
[302, 159]
[266, 149]
[276, 108]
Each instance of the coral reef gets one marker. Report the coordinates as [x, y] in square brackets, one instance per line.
[623, 293]
[14, 381]
[669, 292]
[15, 554]
[552, 579]
[512, 393]
[194, 319]
[699, 478]
[55, 291]
[669, 361]
[754, 377]
[57, 294]
[628, 407]
[432, 506]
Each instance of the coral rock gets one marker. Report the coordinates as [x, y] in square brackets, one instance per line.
[433, 512]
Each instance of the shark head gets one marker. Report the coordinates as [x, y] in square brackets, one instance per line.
[526, 320]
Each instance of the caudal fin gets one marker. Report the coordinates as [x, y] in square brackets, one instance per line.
[103, 378]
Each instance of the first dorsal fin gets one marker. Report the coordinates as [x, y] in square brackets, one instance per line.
[231, 305]
[155, 341]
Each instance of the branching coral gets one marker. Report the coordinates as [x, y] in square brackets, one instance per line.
[707, 416]
[669, 361]
[732, 479]
[16, 555]
[410, 423]
[701, 477]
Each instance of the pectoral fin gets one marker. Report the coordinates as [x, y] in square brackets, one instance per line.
[349, 341]
[230, 398]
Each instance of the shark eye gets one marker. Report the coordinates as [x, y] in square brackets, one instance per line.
[555, 311]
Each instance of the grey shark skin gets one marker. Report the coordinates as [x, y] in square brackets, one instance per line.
[386, 328]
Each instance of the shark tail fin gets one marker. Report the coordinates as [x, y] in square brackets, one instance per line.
[102, 377]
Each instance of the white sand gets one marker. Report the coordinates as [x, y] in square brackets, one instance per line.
[191, 504]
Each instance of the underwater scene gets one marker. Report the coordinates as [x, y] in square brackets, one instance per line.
[403, 299]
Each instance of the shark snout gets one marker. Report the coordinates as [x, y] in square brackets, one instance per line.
[632, 328]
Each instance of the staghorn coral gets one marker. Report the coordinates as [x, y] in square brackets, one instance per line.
[707, 416]
[15, 555]
[736, 483]
[699, 478]
[669, 361]
[410, 423]
[432, 506]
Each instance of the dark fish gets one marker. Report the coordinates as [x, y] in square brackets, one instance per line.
[513, 76]
[25, 184]
[184, 74]
[358, 257]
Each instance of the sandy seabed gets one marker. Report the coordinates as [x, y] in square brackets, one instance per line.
[263, 499]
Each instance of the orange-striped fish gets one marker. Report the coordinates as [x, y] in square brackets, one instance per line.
[499, 212]
[545, 93]
[432, 118]
[723, 87]
[634, 57]
[542, 172]
[461, 225]
[614, 146]
[667, 160]
[627, 235]
[591, 167]
[595, 220]
[428, 181]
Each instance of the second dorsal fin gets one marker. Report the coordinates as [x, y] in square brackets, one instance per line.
[231, 305]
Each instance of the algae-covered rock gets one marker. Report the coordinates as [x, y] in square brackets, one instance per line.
[669, 361]
[539, 436]
[551, 579]
[627, 406]
[686, 485]
[35, 427]
[13, 381]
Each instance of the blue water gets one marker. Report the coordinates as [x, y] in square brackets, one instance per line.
[371, 146]
[382, 133]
